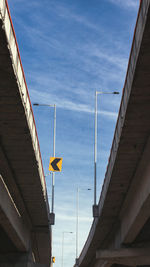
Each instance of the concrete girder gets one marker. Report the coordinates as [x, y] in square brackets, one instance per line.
[11, 221]
[135, 210]
[125, 256]
[21, 163]
[10, 181]
[19, 260]
[116, 225]
[102, 263]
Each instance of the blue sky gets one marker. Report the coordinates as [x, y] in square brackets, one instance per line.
[69, 49]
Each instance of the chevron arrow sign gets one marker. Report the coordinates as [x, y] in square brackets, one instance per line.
[55, 164]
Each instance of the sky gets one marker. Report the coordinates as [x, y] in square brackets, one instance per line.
[70, 49]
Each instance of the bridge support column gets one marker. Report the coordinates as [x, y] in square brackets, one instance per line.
[19, 260]
[23, 265]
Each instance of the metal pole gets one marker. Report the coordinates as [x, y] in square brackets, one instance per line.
[53, 185]
[53, 174]
[95, 148]
[62, 249]
[63, 234]
[95, 206]
[54, 129]
[77, 221]
[54, 140]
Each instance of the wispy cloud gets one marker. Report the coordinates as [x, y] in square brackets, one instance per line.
[67, 218]
[132, 4]
[68, 13]
[69, 50]
[116, 60]
[84, 59]
[44, 97]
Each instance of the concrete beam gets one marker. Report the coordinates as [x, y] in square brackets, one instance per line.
[107, 254]
[102, 263]
[19, 260]
[10, 181]
[125, 256]
[28, 264]
[11, 221]
[135, 210]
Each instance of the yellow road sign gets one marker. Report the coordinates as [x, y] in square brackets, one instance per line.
[53, 259]
[55, 164]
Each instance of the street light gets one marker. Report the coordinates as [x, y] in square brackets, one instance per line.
[95, 206]
[77, 220]
[52, 214]
[63, 233]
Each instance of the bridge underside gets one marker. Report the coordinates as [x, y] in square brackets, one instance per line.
[120, 236]
[24, 211]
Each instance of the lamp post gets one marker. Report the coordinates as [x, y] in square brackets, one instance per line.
[95, 206]
[52, 214]
[77, 221]
[63, 234]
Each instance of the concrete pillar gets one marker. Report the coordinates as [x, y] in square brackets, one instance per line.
[19, 260]
[22, 265]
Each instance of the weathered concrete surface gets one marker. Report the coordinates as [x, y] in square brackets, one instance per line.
[23, 265]
[124, 206]
[11, 220]
[125, 256]
[24, 217]
[19, 260]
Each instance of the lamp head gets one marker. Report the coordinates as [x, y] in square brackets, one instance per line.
[35, 104]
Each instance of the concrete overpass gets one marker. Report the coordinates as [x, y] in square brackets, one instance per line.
[25, 234]
[121, 233]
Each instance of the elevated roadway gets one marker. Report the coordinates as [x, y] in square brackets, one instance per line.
[25, 234]
[121, 233]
